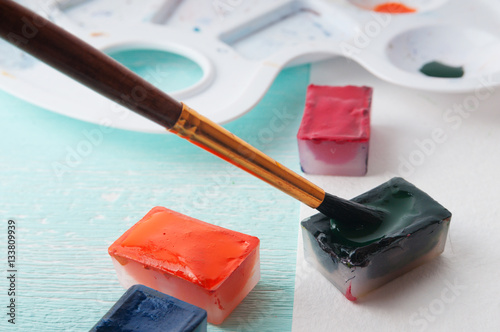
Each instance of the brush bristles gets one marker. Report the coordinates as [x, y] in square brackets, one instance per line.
[351, 215]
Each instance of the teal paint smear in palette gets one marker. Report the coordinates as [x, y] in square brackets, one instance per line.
[67, 222]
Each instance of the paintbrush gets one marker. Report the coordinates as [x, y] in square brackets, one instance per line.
[91, 67]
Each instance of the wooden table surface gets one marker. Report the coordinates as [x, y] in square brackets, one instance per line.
[72, 188]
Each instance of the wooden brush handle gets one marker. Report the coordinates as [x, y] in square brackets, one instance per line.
[89, 66]
[77, 59]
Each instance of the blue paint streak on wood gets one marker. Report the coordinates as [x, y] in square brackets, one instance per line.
[66, 221]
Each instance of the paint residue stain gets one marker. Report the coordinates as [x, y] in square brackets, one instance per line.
[98, 34]
[4, 73]
[271, 64]
[438, 69]
[394, 8]
[217, 301]
[322, 29]
[348, 294]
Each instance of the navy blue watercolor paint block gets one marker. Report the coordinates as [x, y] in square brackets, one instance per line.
[144, 309]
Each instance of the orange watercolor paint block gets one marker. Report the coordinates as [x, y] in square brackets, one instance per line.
[206, 265]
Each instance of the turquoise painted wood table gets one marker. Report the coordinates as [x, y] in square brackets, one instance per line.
[72, 188]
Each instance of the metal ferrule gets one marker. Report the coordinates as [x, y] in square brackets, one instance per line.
[219, 141]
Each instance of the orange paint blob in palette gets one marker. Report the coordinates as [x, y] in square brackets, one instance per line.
[200, 263]
[394, 8]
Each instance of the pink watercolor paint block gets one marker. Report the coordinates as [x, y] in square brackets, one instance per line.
[206, 265]
[334, 134]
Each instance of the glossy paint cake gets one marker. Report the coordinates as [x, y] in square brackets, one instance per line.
[206, 265]
[334, 134]
[356, 261]
[144, 309]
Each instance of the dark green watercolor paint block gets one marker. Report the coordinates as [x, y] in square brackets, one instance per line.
[413, 233]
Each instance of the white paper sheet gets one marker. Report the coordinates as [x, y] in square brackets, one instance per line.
[458, 291]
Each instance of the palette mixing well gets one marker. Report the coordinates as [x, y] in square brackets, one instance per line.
[242, 45]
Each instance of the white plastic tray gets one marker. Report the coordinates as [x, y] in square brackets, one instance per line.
[242, 45]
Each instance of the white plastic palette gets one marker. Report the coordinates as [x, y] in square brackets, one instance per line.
[242, 45]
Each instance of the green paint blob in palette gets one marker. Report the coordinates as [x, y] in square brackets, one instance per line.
[359, 260]
[438, 69]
